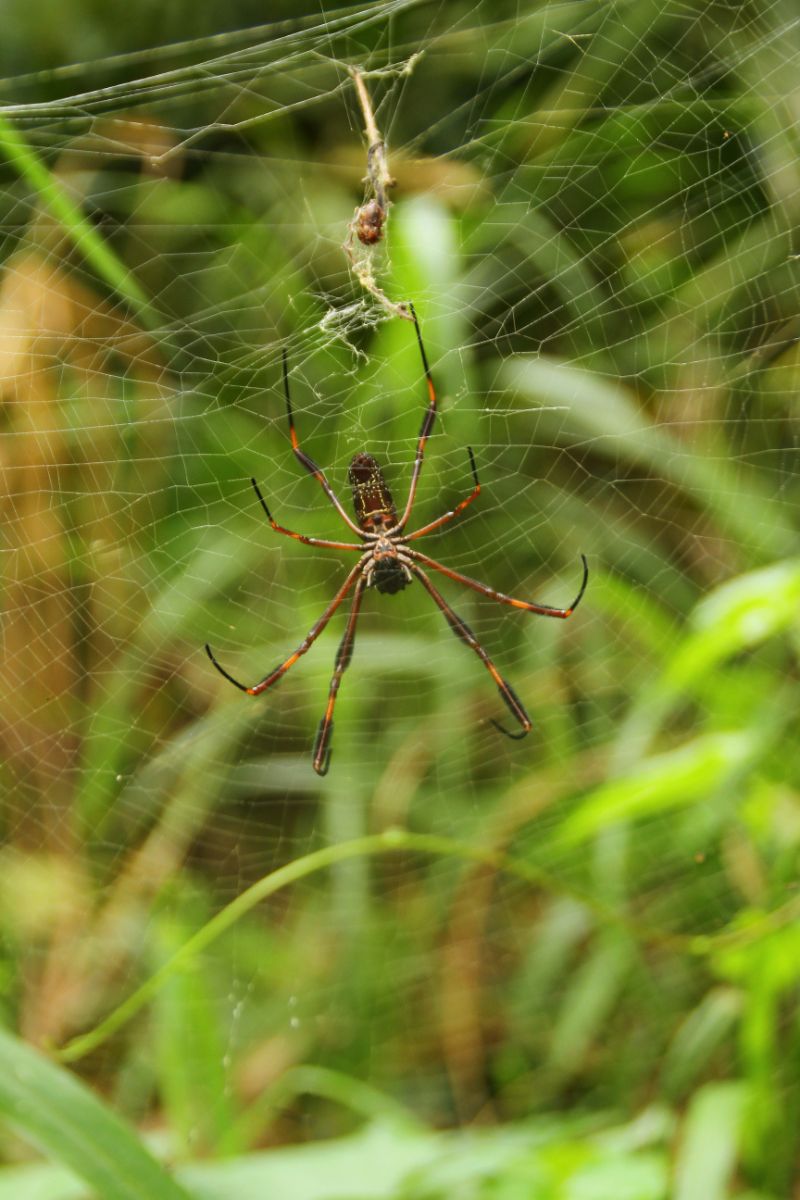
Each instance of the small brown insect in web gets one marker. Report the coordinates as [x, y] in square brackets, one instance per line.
[369, 220]
[368, 223]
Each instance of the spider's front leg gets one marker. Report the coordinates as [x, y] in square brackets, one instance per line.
[459, 508]
[307, 462]
[301, 537]
[427, 425]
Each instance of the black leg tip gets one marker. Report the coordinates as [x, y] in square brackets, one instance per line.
[262, 501]
[584, 582]
[241, 686]
[472, 464]
[322, 748]
[515, 737]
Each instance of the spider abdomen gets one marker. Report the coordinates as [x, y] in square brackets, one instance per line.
[372, 499]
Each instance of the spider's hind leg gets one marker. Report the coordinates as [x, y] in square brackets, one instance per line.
[322, 746]
[462, 631]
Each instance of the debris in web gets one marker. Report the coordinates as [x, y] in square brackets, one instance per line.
[368, 225]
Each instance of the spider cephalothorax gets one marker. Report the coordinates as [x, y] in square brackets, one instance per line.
[388, 563]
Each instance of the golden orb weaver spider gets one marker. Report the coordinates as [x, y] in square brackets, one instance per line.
[388, 563]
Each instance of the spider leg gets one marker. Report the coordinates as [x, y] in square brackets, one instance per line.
[309, 463]
[301, 537]
[459, 508]
[544, 610]
[463, 631]
[322, 751]
[307, 642]
[427, 424]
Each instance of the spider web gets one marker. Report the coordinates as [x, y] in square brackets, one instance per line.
[594, 215]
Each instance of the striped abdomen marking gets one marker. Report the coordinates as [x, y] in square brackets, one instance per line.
[372, 499]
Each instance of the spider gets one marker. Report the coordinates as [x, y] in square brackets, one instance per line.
[389, 564]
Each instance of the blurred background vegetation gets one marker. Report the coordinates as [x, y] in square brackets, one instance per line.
[577, 975]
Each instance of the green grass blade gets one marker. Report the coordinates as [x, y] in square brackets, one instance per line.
[738, 615]
[710, 1143]
[56, 1112]
[191, 1038]
[588, 1004]
[580, 408]
[660, 784]
[388, 842]
[699, 1037]
[80, 231]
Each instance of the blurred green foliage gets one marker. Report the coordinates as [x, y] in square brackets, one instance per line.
[595, 216]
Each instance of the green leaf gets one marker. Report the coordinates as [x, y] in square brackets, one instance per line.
[749, 609]
[661, 783]
[383, 1161]
[710, 1143]
[589, 1003]
[191, 1040]
[734, 617]
[58, 1113]
[580, 407]
[55, 196]
[699, 1037]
